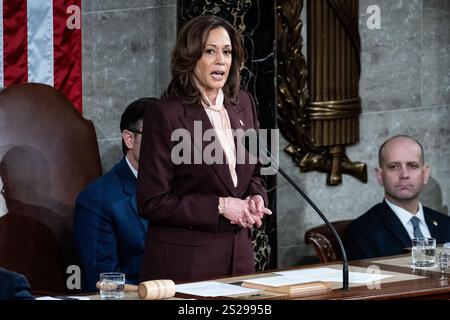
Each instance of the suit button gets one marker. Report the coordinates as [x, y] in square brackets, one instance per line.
[191, 228]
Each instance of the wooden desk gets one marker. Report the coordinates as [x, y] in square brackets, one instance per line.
[432, 286]
[426, 284]
[407, 283]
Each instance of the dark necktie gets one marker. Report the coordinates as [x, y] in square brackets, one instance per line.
[417, 232]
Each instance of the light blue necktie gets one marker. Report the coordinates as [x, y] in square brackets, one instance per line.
[417, 232]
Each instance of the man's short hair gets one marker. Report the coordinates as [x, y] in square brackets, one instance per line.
[134, 113]
[380, 150]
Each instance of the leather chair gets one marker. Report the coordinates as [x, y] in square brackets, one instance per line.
[48, 154]
[323, 241]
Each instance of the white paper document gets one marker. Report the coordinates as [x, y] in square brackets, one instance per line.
[212, 289]
[279, 281]
[63, 298]
[329, 274]
[47, 298]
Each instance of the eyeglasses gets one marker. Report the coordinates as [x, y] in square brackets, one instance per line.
[134, 131]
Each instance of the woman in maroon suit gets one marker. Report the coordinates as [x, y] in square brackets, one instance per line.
[200, 213]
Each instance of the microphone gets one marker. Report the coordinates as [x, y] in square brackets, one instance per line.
[254, 145]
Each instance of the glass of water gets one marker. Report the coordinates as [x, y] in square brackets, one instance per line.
[446, 248]
[112, 285]
[423, 252]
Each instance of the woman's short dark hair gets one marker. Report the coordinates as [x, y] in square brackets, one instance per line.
[191, 42]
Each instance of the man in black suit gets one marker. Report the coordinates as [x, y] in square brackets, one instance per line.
[14, 286]
[388, 227]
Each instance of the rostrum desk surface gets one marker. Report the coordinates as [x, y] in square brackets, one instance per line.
[433, 285]
[430, 285]
[426, 284]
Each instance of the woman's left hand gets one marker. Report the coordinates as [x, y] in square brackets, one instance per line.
[257, 210]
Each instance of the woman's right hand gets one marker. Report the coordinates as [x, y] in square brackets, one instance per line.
[237, 211]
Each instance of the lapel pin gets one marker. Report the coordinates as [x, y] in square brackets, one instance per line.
[242, 124]
[435, 223]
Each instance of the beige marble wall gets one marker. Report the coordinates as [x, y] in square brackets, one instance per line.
[126, 55]
[405, 88]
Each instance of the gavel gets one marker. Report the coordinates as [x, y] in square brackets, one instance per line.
[147, 290]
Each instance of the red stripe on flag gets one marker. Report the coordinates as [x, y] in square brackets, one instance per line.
[67, 53]
[15, 61]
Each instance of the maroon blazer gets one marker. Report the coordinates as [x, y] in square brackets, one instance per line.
[187, 239]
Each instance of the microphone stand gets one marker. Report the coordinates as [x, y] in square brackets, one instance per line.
[345, 285]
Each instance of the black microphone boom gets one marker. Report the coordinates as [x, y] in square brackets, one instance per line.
[333, 230]
[345, 279]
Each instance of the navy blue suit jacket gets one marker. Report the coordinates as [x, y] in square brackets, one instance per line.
[14, 286]
[109, 234]
[379, 232]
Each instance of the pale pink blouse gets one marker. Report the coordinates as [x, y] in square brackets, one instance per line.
[220, 121]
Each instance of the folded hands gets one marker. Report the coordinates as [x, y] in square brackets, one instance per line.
[245, 213]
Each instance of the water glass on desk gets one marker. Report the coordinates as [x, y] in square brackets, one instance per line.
[446, 248]
[423, 252]
[112, 285]
[444, 257]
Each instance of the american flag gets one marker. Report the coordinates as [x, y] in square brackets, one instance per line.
[40, 41]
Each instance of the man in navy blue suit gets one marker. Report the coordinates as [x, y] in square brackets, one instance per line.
[109, 234]
[388, 227]
[14, 286]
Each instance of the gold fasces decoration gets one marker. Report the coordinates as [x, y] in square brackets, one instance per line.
[334, 124]
[335, 164]
[319, 122]
[292, 92]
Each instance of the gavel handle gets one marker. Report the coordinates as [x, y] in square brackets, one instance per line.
[128, 287]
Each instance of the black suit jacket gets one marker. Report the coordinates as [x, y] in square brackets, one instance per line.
[379, 232]
[14, 286]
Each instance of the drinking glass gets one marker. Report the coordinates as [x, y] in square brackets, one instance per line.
[423, 252]
[112, 285]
